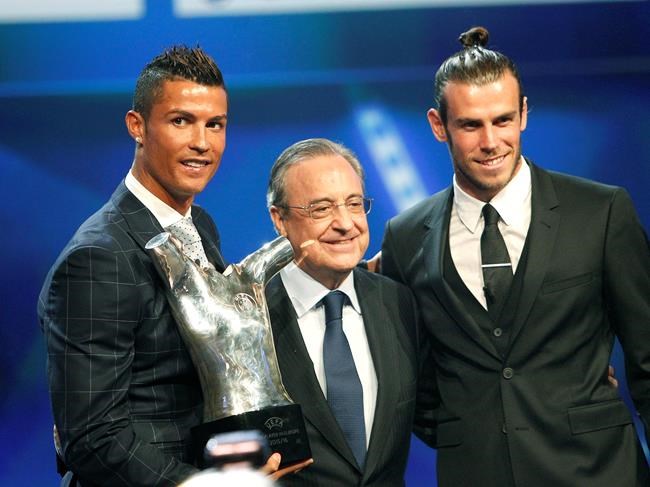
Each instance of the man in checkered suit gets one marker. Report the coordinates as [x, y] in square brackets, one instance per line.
[123, 388]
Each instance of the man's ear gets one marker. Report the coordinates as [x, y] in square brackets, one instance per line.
[437, 126]
[135, 125]
[524, 114]
[278, 221]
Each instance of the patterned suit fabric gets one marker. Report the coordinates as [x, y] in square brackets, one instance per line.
[123, 388]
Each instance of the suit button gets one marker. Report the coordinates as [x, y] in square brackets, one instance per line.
[497, 332]
[508, 373]
[504, 429]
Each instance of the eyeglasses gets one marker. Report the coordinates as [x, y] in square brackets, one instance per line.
[325, 209]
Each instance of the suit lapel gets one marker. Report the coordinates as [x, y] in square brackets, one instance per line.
[542, 233]
[208, 238]
[141, 223]
[144, 226]
[298, 374]
[382, 341]
[434, 243]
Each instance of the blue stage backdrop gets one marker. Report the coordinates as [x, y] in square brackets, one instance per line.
[363, 77]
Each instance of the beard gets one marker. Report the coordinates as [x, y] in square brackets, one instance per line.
[479, 187]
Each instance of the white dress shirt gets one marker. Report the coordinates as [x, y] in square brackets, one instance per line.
[466, 226]
[305, 293]
[165, 214]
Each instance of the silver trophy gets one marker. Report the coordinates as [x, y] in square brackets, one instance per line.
[224, 322]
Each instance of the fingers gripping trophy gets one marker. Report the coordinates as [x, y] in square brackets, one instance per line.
[224, 322]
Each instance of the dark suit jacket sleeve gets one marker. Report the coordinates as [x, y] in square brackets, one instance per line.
[427, 401]
[389, 264]
[627, 288]
[90, 314]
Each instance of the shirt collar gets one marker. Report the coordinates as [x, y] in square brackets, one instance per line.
[306, 292]
[164, 213]
[508, 202]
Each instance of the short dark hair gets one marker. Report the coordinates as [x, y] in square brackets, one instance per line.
[475, 65]
[175, 63]
[298, 152]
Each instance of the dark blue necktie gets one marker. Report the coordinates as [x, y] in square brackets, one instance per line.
[344, 392]
[495, 261]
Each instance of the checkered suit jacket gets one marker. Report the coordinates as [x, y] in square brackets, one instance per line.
[123, 388]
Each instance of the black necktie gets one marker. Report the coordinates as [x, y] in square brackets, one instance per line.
[496, 265]
[344, 392]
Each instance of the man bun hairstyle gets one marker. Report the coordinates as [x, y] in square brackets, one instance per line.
[475, 64]
[475, 37]
[175, 63]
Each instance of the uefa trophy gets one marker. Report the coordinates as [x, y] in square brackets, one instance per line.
[224, 322]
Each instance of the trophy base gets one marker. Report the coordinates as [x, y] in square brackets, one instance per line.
[283, 427]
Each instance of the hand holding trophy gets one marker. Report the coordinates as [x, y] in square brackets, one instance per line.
[224, 322]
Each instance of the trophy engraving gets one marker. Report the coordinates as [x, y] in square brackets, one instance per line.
[224, 322]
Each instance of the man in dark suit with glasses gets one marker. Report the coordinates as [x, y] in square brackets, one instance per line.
[345, 338]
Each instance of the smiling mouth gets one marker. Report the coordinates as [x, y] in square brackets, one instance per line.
[341, 242]
[195, 163]
[493, 161]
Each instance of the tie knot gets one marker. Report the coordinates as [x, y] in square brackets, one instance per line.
[333, 303]
[185, 231]
[490, 214]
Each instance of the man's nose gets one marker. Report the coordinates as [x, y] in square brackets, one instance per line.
[199, 140]
[488, 139]
[342, 218]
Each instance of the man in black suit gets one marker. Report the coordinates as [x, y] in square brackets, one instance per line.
[123, 388]
[316, 193]
[517, 374]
